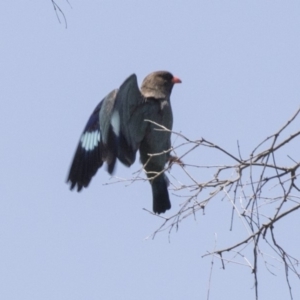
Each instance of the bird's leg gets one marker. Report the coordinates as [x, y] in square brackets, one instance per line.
[175, 160]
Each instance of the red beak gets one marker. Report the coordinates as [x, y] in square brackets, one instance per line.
[176, 80]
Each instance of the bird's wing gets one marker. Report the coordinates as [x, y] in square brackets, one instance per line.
[128, 120]
[96, 144]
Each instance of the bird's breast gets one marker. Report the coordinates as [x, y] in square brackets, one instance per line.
[159, 111]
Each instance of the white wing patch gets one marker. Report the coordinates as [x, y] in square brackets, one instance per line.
[115, 122]
[90, 140]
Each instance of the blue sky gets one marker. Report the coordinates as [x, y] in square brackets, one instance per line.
[240, 70]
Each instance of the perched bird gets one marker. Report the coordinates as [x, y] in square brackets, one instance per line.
[121, 125]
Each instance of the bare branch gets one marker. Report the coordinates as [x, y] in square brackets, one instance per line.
[58, 12]
[260, 189]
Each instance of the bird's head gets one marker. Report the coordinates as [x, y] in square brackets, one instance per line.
[159, 85]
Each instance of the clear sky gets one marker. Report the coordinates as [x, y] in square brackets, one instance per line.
[239, 64]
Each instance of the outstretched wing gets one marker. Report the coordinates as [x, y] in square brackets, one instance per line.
[96, 145]
[128, 120]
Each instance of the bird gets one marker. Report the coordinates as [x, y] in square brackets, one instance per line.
[126, 121]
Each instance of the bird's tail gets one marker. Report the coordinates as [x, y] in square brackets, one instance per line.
[161, 200]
